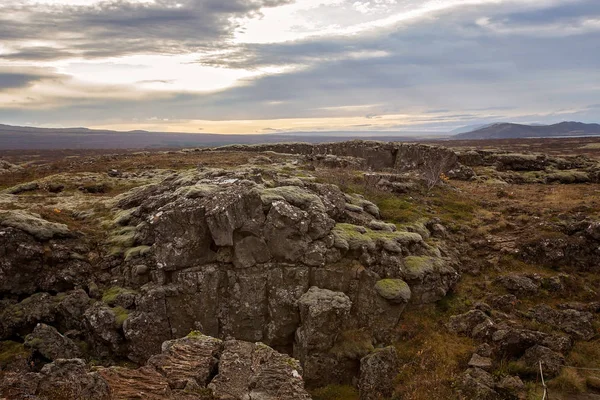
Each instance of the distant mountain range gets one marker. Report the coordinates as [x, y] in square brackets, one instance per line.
[30, 138]
[20, 137]
[507, 130]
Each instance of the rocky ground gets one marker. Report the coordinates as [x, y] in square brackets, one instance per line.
[337, 271]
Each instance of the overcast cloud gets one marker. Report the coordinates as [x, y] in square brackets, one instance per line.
[304, 65]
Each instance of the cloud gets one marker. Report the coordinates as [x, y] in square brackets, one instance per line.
[451, 67]
[119, 27]
[18, 78]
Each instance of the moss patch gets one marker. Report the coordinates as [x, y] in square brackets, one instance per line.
[111, 295]
[11, 351]
[417, 267]
[121, 315]
[136, 252]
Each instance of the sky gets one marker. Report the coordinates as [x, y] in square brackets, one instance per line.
[267, 66]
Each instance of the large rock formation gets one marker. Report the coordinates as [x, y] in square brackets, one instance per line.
[236, 258]
[244, 254]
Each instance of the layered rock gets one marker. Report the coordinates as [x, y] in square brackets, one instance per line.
[195, 368]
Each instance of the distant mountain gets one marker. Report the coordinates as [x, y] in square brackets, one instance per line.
[20, 138]
[515, 131]
[468, 128]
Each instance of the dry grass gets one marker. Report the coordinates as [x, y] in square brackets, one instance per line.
[433, 358]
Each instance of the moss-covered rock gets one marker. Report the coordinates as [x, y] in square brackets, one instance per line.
[119, 296]
[393, 290]
[417, 267]
[294, 195]
[137, 251]
[569, 176]
[33, 224]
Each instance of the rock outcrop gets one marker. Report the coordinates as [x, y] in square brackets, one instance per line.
[233, 255]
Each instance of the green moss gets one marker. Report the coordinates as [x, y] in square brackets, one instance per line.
[570, 176]
[392, 289]
[123, 238]
[294, 195]
[348, 230]
[136, 251]
[396, 209]
[121, 315]
[335, 392]
[110, 296]
[353, 344]
[195, 334]
[11, 351]
[417, 267]
[34, 343]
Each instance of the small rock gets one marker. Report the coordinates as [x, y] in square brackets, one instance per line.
[55, 187]
[25, 187]
[478, 361]
[513, 385]
[484, 350]
[140, 269]
[477, 384]
[519, 285]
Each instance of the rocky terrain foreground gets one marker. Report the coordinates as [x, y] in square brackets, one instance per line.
[354, 270]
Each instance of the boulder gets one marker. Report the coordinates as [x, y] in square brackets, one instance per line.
[577, 324]
[511, 387]
[513, 343]
[393, 290]
[464, 324]
[61, 379]
[21, 318]
[256, 371]
[478, 384]
[377, 373]
[519, 285]
[103, 325]
[323, 315]
[22, 188]
[49, 343]
[552, 361]
[33, 224]
[193, 358]
[142, 383]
